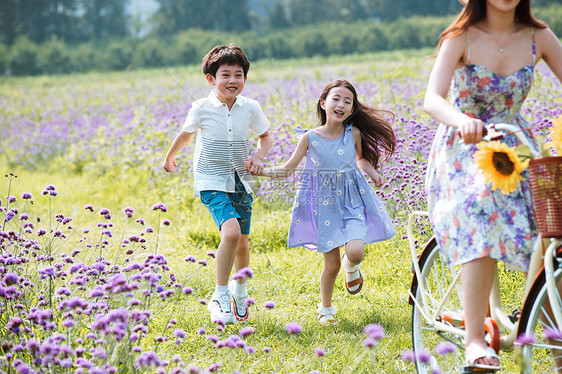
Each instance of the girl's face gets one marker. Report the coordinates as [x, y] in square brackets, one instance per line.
[338, 104]
[229, 82]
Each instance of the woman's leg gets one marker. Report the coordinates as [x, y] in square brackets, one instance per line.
[332, 264]
[477, 279]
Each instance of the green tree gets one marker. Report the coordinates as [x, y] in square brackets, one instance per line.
[219, 15]
[102, 19]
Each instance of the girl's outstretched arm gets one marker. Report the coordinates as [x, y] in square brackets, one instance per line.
[364, 165]
[290, 166]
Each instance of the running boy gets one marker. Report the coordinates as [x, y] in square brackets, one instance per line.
[222, 122]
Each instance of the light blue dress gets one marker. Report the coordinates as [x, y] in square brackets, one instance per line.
[334, 203]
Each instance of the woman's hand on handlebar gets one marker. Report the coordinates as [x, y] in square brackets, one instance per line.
[472, 130]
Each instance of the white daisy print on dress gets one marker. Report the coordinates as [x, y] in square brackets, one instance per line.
[314, 143]
[340, 152]
[327, 223]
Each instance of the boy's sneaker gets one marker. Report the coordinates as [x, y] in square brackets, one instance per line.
[241, 311]
[220, 310]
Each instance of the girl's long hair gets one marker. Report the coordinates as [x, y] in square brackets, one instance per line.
[377, 136]
[475, 11]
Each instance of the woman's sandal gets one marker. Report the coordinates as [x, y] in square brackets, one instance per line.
[326, 315]
[353, 277]
[478, 353]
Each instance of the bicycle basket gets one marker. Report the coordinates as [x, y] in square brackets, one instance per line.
[546, 184]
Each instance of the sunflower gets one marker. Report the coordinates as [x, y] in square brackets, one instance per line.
[500, 165]
[556, 135]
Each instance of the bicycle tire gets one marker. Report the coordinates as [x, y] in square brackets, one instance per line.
[436, 277]
[537, 357]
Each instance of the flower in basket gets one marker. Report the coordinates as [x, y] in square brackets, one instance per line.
[556, 135]
[500, 165]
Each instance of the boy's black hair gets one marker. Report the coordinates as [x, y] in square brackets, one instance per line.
[225, 55]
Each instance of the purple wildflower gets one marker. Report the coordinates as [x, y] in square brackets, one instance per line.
[408, 355]
[187, 290]
[269, 305]
[89, 207]
[26, 195]
[250, 349]
[213, 338]
[553, 334]
[214, 367]
[10, 278]
[147, 358]
[160, 207]
[245, 331]
[525, 339]
[180, 333]
[293, 328]
[129, 211]
[201, 331]
[166, 222]
[444, 348]
[374, 331]
[424, 356]
[243, 273]
[369, 342]
[320, 352]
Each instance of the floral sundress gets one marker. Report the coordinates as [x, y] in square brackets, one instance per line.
[469, 220]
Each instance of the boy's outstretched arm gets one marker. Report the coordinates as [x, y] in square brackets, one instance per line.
[180, 141]
[255, 163]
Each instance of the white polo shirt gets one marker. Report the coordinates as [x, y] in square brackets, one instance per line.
[222, 143]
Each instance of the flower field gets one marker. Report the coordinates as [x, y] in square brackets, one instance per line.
[107, 262]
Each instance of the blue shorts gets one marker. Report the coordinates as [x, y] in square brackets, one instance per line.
[225, 205]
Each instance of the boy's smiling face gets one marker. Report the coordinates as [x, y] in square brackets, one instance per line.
[229, 82]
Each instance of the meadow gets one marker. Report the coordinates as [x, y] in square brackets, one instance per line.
[107, 262]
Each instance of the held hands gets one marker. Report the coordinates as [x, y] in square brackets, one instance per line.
[169, 166]
[472, 130]
[254, 166]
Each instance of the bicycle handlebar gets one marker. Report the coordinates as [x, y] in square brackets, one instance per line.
[506, 128]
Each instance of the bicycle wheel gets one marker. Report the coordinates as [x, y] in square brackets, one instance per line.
[437, 278]
[543, 355]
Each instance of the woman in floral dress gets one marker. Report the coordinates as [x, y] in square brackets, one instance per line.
[489, 52]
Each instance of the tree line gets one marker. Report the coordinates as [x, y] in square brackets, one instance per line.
[79, 21]
[57, 55]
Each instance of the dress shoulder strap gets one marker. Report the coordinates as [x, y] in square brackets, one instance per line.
[468, 47]
[534, 47]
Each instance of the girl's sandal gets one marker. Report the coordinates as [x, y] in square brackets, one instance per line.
[353, 277]
[326, 315]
